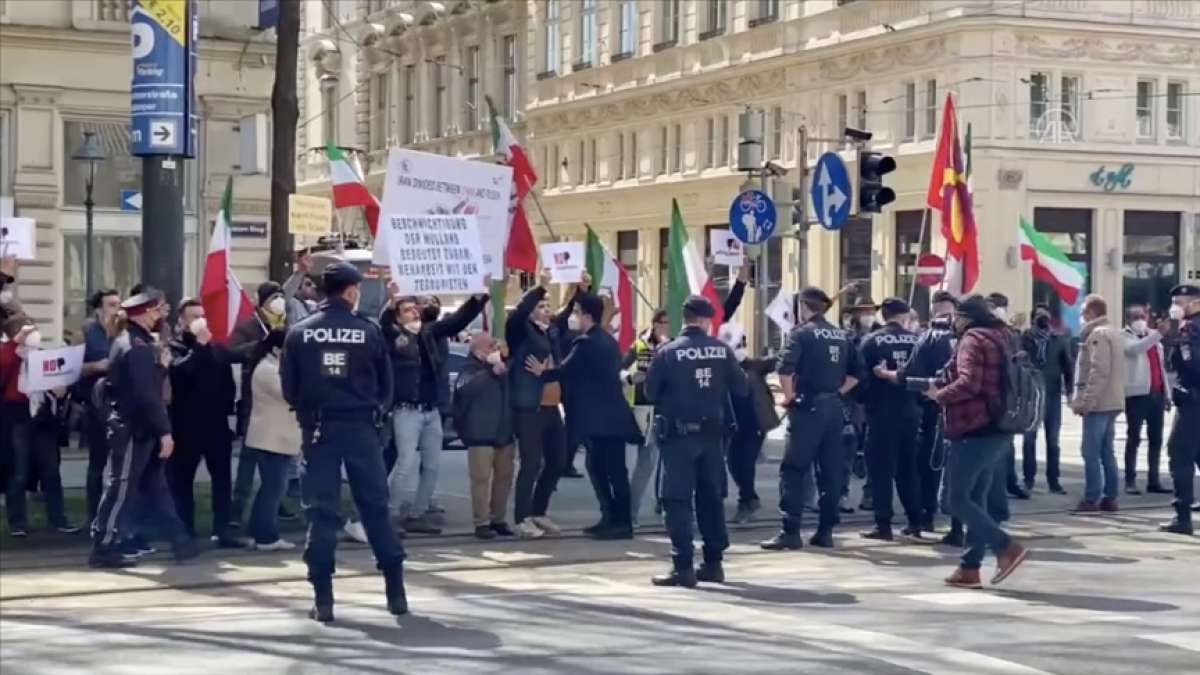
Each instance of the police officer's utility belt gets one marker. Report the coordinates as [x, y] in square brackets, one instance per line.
[414, 405]
[314, 418]
[669, 429]
[1185, 396]
[808, 400]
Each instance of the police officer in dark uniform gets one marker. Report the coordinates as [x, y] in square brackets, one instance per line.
[336, 376]
[892, 409]
[817, 367]
[690, 381]
[138, 429]
[1184, 443]
[934, 349]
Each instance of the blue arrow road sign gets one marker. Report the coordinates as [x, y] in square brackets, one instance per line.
[752, 217]
[831, 191]
[131, 200]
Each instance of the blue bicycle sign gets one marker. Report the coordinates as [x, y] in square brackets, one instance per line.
[752, 217]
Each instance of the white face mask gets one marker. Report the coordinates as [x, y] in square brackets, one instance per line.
[1139, 326]
[573, 323]
[740, 354]
[277, 305]
[33, 340]
[865, 322]
[6, 297]
[494, 358]
[1000, 313]
[413, 326]
[1176, 312]
[198, 324]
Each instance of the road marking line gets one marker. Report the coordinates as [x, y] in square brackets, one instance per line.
[962, 599]
[1189, 640]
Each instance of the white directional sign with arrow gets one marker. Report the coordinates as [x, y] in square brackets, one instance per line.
[162, 133]
[831, 192]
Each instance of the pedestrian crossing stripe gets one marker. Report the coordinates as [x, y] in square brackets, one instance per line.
[1189, 640]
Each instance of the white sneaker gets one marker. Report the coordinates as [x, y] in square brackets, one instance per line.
[277, 545]
[546, 525]
[355, 531]
[527, 530]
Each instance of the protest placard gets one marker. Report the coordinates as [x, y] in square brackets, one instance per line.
[566, 261]
[726, 249]
[17, 238]
[421, 183]
[309, 215]
[435, 254]
[45, 369]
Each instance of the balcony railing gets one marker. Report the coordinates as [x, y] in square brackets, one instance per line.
[112, 10]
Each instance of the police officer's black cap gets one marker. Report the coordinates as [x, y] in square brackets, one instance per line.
[1185, 291]
[813, 295]
[339, 275]
[975, 308]
[997, 299]
[893, 306]
[699, 306]
[945, 296]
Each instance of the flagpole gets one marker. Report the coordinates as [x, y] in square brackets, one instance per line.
[545, 220]
[912, 291]
[635, 286]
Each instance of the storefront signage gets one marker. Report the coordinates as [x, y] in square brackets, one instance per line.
[1122, 178]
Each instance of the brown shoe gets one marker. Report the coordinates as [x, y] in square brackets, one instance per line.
[965, 578]
[1008, 561]
[1109, 505]
[1085, 506]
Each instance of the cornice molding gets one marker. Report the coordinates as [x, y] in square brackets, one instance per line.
[880, 61]
[1112, 51]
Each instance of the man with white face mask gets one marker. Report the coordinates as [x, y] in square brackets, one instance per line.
[202, 399]
[1146, 399]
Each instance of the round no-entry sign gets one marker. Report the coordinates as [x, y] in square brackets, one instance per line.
[930, 270]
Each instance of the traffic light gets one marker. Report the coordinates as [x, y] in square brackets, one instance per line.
[873, 195]
[799, 216]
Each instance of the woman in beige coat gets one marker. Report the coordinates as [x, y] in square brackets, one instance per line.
[272, 440]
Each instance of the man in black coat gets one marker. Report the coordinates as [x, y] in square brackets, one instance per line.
[202, 399]
[418, 362]
[605, 422]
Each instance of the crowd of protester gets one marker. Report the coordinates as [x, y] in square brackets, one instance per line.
[523, 405]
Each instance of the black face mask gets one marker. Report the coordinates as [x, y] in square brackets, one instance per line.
[430, 313]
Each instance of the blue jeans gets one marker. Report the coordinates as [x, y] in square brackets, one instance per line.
[418, 457]
[1099, 458]
[273, 468]
[972, 464]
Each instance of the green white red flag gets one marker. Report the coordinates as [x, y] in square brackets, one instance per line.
[1050, 264]
[520, 253]
[224, 300]
[608, 274]
[687, 274]
[349, 190]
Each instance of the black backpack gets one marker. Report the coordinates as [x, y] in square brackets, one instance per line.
[1022, 393]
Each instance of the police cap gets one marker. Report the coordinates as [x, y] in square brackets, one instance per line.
[893, 306]
[143, 302]
[339, 275]
[815, 296]
[699, 307]
[945, 296]
[1185, 291]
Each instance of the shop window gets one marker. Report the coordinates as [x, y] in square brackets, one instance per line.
[910, 245]
[1071, 231]
[121, 172]
[117, 261]
[1151, 264]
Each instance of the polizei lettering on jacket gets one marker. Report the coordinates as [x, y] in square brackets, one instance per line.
[702, 353]
[890, 339]
[338, 336]
[829, 333]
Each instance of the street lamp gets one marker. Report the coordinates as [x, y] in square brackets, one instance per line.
[90, 152]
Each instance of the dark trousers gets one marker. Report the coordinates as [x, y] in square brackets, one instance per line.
[744, 448]
[574, 442]
[97, 439]
[138, 489]
[216, 449]
[610, 479]
[931, 457]
[892, 459]
[273, 467]
[973, 466]
[541, 440]
[814, 438]
[1052, 424]
[33, 449]
[693, 470]
[358, 447]
[1147, 410]
[243, 486]
[1183, 447]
